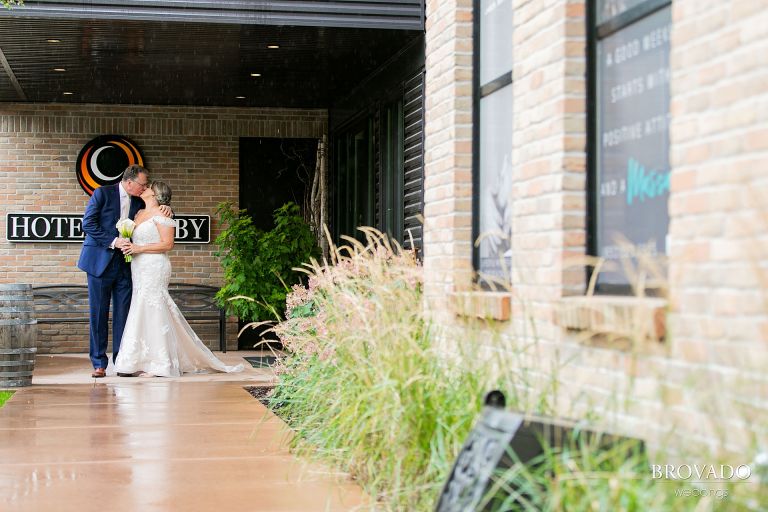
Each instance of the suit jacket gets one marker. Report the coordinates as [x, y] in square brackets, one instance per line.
[101, 216]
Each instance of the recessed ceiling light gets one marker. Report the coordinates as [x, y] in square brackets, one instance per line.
[255, 74]
[54, 40]
[273, 46]
[239, 97]
[67, 93]
[60, 70]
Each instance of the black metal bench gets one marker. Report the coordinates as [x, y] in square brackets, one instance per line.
[68, 303]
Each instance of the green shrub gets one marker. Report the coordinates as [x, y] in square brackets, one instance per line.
[4, 396]
[259, 266]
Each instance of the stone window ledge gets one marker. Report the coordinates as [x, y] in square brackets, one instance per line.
[482, 304]
[615, 317]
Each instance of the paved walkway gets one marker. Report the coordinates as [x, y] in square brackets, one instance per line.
[196, 443]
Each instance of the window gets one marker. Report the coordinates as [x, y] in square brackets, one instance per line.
[378, 166]
[354, 170]
[629, 134]
[492, 138]
[390, 196]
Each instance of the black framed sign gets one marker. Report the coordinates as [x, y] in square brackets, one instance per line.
[631, 183]
[68, 228]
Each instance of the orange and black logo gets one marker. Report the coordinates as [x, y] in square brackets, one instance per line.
[103, 160]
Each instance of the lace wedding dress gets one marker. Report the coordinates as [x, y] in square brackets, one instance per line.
[157, 338]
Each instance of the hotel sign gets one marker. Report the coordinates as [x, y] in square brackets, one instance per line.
[68, 227]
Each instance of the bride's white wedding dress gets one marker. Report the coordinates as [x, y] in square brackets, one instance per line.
[157, 338]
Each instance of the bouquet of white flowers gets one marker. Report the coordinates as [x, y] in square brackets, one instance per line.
[125, 228]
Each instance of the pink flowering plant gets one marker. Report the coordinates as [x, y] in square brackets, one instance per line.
[343, 298]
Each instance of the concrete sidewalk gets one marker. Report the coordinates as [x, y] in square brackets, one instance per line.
[196, 443]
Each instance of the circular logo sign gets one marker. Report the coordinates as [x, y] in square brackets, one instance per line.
[103, 160]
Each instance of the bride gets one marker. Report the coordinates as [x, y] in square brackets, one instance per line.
[157, 340]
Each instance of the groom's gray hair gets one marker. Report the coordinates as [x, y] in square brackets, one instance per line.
[132, 172]
[162, 192]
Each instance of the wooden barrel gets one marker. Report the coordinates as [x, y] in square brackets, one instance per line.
[18, 335]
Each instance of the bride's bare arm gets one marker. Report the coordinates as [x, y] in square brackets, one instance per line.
[164, 245]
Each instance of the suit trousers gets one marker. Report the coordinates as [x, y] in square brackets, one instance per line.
[113, 285]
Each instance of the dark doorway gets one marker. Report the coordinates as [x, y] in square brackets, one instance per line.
[273, 172]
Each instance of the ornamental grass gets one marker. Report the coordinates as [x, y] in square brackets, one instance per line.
[364, 384]
[374, 387]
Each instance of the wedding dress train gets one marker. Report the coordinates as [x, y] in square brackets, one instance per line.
[157, 338]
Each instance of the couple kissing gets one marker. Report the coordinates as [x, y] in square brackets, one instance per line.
[150, 336]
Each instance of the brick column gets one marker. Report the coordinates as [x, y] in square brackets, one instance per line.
[448, 150]
[549, 184]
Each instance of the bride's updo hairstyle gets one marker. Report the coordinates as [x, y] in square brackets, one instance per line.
[162, 192]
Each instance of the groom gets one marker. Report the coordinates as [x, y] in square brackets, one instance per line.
[109, 276]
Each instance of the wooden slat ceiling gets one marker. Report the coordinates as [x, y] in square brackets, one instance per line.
[180, 63]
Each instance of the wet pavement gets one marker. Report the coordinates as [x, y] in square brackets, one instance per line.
[193, 443]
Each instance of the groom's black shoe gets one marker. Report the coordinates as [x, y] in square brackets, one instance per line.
[119, 374]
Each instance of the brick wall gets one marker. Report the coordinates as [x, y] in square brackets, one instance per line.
[194, 150]
[719, 206]
[72, 338]
[707, 383]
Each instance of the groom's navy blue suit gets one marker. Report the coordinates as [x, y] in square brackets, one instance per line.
[109, 276]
